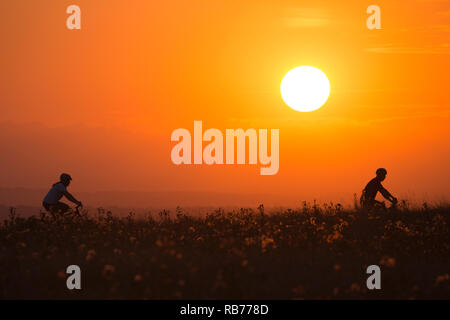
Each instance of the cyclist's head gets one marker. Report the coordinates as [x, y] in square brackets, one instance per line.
[381, 173]
[65, 178]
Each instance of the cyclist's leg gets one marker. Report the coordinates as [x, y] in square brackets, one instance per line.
[46, 206]
[369, 204]
[61, 207]
[49, 208]
[379, 205]
[64, 207]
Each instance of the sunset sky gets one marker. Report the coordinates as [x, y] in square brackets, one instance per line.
[101, 102]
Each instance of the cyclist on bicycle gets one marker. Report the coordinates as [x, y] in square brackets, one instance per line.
[372, 188]
[51, 201]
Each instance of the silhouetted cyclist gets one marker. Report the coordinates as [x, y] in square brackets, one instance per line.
[372, 188]
[51, 201]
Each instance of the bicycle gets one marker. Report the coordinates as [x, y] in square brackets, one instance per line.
[70, 212]
[77, 211]
[374, 205]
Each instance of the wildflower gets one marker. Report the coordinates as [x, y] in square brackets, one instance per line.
[388, 262]
[219, 283]
[108, 271]
[442, 278]
[249, 241]
[21, 245]
[299, 290]
[244, 263]
[266, 241]
[138, 278]
[336, 235]
[90, 255]
[354, 287]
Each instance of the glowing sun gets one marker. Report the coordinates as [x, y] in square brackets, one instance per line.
[305, 88]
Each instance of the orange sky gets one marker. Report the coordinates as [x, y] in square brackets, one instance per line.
[102, 102]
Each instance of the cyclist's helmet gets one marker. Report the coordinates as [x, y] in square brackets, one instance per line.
[381, 171]
[65, 177]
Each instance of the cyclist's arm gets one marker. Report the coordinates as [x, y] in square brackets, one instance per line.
[386, 194]
[71, 198]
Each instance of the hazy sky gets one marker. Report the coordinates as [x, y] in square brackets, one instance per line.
[102, 102]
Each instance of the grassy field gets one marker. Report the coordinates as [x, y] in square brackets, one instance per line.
[315, 252]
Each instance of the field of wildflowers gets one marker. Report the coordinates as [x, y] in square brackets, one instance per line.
[313, 252]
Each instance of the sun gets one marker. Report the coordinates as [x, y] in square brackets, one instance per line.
[305, 88]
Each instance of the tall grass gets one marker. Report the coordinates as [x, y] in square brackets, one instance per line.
[313, 252]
